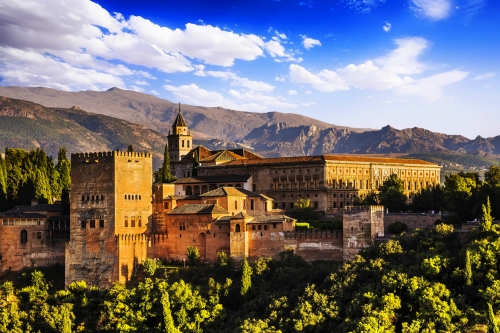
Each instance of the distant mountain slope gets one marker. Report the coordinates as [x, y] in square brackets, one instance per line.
[285, 140]
[159, 114]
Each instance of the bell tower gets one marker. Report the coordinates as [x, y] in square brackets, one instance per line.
[180, 141]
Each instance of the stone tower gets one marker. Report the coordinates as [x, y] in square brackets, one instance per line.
[110, 208]
[180, 141]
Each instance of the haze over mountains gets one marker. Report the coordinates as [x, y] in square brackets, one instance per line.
[145, 120]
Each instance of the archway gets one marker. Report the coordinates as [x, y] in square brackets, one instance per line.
[189, 190]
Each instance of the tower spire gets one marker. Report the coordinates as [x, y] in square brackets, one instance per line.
[179, 107]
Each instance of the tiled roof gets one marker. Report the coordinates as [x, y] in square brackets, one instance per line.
[34, 209]
[322, 158]
[179, 121]
[271, 218]
[249, 155]
[211, 157]
[23, 216]
[232, 191]
[368, 159]
[240, 215]
[198, 209]
[213, 179]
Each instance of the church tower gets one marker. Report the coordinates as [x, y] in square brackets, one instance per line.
[180, 141]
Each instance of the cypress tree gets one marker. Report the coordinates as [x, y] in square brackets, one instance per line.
[64, 168]
[246, 277]
[468, 269]
[165, 169]
[3, 184]
[168, 320]
[492, 319]
[486, 219]
[196, 162]
[130, 149]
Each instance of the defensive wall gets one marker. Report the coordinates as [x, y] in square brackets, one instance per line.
[412, 220]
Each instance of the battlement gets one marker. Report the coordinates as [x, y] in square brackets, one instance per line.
[313, 234]
[360, 209]
[105, 156]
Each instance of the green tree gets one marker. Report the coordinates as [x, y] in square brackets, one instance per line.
[391, 194]
[246, 277]
[397, 227]
[150, 266]
[222, 259]
[166, 177]
[468, 269]
[368, 199]
[486, 219]
[492, 320]
[63, 166]
[168, 320]
[303, 211]
[130, 149]
[193, 255]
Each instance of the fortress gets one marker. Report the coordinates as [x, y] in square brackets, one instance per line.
[229, 200]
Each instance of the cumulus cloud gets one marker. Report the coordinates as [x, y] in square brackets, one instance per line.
[309, 43]
[84, 37]
[308, 92]
[241, 81]
[292, 92]
[432, 9]
[392, 70]
[387, 27]
[198, 96]
[280, 78]
[141, 83]
[485, 76]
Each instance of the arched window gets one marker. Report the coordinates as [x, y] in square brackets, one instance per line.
[126, 223]
[102, 197]
[237, 228]
[88, 197]
[125, 197]
[182, 143]
[204, 188]
[188, 143]
[189, 190]
[24, 236]
[83, 197]
[93, 198]
[129, 196]
[136, 197]
[265, 227]
[196, 190]
[259, 227]
[253, 227]
[140, 223]
[140, 197]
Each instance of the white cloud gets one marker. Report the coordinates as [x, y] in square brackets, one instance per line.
[485, 76]
[308, 103]
[253, 96]
[138, 89]
[280, 78]
[292, 92]
[241, 81]
[199, 70]
[363, 6]
[432, 9]
[141, 83]
[154, 92]
[387, 27]
[26, 68]
[308, 92]
[431, 88]
[280, 35]
[325, 80]
[309, 43]
[197, 96]
[391, 71]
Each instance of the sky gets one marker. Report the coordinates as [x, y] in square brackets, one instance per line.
[433, 64]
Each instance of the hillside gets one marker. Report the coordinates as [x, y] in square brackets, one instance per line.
[159, 114]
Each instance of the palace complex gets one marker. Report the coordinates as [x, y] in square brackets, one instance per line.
[223, 200]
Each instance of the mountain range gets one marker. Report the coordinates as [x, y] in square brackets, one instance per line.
[95, 121]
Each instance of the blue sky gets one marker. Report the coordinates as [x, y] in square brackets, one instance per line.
[362, 63]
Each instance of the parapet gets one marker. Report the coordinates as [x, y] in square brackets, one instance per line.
[360, 209]
[105, 156]
[313, 234]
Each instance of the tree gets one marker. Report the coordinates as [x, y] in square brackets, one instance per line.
[492, 320]
[368, 199]
[246, 277]
[150, 266]
[468, 269]
[165, 169]
[130, 149]
[168, 320]
[391, 194]
[303, 211]
[193, 255]
[3, 184]
[63, 166]
[196, 162]
[397, 227]
[486, 218]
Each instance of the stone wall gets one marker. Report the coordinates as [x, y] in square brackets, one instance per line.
[413, 221]
[316, 245]
[360, 227]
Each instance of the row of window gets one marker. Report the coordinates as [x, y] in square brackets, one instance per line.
[292, 171]
[92, 197]
[133, 197]
[133, 224]
[195, 190]
[92, 224]
[22, 222]
[174, 143]
[295, 185]
[283, 205]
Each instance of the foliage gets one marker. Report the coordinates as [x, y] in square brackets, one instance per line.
[150, 266]
[223, 259]
[246, 277]
[303, 211]
[130, 149]
[368, 199]
[391, 194]
[486, 219]
[397, 227]
[193, 255]
[163, 175]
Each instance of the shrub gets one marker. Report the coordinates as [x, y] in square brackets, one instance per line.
[397, 227]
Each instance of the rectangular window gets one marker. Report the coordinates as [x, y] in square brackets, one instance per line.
[84, 224]
[132, 223]
[126, 223]
[101, 224]
[276, 185]
[252, 204]
[274, 225]
[244, 204]
[235, 204]
[254, 187]
[182, 226]
[165, 205]
[92, 223]
[39, 235]
[140, 223]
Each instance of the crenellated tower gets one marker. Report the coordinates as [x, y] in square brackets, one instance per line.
[180, 141]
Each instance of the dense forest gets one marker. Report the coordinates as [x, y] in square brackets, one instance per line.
[33, 175]
[433, 280]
